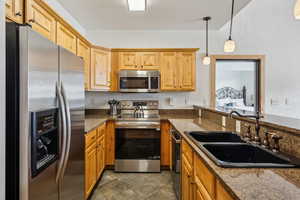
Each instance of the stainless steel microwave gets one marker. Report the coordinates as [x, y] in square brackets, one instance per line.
[139, 81]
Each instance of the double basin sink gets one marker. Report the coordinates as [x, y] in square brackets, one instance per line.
[227, 149]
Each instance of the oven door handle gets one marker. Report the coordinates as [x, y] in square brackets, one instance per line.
[175, 140]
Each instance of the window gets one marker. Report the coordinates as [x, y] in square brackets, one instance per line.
[237, 83]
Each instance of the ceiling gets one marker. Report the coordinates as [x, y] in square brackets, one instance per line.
[160, 14]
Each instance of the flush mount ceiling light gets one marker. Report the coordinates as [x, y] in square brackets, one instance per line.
[206, 58]
[229, 45]
[137, 5]
[297, 10]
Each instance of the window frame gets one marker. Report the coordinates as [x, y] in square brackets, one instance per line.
[261, 76]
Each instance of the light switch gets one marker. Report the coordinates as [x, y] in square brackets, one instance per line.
[223, 121]
[238, 126]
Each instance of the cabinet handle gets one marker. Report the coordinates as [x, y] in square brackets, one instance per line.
[136, 66]
[93, 137]
[18, 14]
[31, 21]
[142, 66]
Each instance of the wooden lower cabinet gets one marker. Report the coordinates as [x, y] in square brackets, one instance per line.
[165, 142]
[186, 179]
[110, 143]
[94, 157]
[90, 169]
[197, 180]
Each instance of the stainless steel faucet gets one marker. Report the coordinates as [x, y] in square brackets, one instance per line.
[257, 117]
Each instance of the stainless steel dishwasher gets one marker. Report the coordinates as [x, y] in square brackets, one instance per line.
[176, 163]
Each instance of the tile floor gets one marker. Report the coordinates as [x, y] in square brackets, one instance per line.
[134, 186]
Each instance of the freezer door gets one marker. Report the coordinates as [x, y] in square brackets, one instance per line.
[38, 76]
[72, 79]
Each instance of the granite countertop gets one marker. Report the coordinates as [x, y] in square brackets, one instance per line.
[245, 183]
[280, 122]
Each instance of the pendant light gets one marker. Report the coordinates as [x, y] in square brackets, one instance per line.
[206, 58]
[297, 10]
[229, 45]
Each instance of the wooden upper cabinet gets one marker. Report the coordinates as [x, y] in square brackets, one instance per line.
[168, 67]
[139, 60]
[128, 60]
[40, 20]
[100, 69]
[14, 10]
[149, 60]
[186, 68]
[84, 51]
[66, 38]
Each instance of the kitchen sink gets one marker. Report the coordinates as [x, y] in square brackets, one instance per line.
[224, 137]
[245, 155]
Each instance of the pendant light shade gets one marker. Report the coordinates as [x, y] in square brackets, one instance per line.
[229, 45]
[297, 10]
[206, 58]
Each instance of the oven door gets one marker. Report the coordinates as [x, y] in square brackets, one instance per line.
[137, 150]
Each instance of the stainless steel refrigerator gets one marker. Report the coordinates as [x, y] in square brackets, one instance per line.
[45, 118]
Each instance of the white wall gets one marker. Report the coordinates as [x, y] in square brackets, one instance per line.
[156, 39]
[268, 27]
[2, 99]
[56, 6]
[262, 27]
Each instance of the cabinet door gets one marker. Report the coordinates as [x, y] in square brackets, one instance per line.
[110, 143]
[100, 69]
[66, 38]
[100, 156]
[165, 143]
[222, 194]
[186, 70]
[168, 71]
[149, 60]
[186, 179]
[41, 21]
[129, 60]
[84, 51]
[90, 169]
[14, 10]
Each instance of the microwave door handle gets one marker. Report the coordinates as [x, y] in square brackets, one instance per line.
[149, 83]
[68, 117]
[64, 132]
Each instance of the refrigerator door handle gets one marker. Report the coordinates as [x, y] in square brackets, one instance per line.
[64, 132]
[68, 117]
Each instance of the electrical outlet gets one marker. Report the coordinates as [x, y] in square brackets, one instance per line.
[200, 113]
[238, 126]
[223, 121]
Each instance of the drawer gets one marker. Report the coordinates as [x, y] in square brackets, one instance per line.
[187, 151]
[206, 177]
[90, 138]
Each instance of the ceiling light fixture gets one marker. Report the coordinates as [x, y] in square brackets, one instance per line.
[136, 5]
[297, 10]
[229, 45]
[206, 58]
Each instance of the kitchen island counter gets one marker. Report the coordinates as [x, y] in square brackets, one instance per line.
[244, 183]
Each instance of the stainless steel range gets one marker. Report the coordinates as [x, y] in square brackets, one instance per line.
[138, 137]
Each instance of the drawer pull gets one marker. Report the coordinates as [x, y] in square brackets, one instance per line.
[18, 14]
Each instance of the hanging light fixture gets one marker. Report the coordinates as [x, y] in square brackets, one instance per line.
[229, 45]
[297, 10]
[206, 58]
